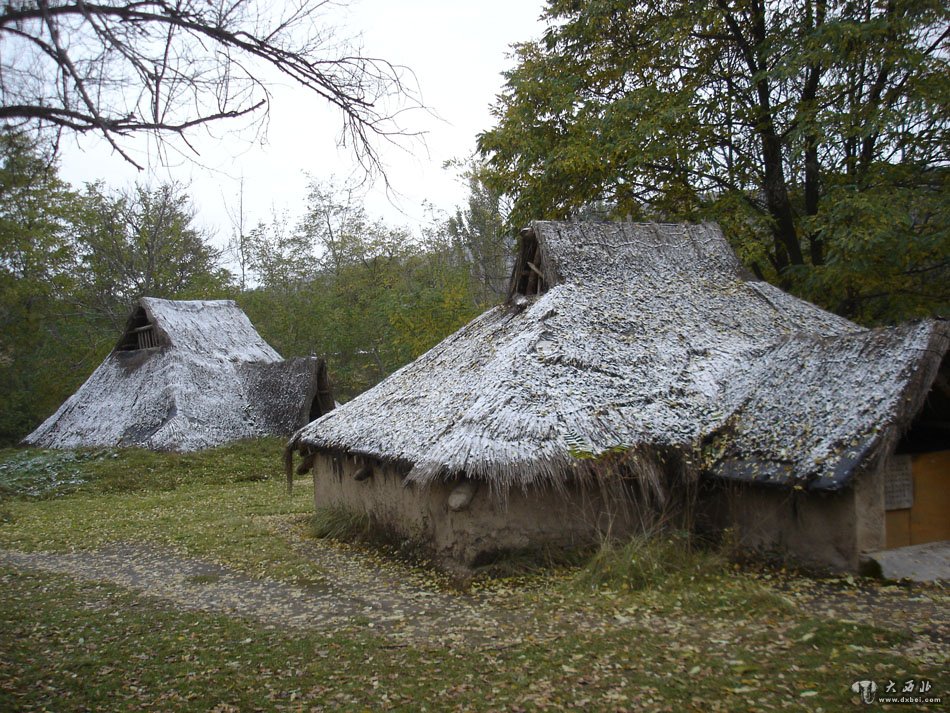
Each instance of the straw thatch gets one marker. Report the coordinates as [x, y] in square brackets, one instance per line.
[622, 337]
[187, 375]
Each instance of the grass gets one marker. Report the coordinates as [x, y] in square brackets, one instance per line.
[203, 579]
[340, 523]
[648, 625]
[39, 473]
[95, 647]
[226, 504]
[649, 561]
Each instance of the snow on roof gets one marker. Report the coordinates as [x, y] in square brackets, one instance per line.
[211, 328]
[202, 378]
[648, 335]
[819, 408]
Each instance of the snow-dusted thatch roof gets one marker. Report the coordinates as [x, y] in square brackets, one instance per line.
[618, 337]
[187, 375]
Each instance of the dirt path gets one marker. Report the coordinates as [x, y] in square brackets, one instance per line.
[356, 592]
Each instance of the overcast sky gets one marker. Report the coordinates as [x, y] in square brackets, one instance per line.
[457, 51]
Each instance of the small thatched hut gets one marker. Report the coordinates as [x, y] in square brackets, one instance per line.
[187, 375]
[632, 366]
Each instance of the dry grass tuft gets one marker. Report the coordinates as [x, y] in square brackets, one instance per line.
[649, 561]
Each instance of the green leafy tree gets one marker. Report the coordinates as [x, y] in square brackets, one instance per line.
[35, 211]
[437, 296]
[279, 257]
[38, 344]
[142, 242]
[815, 131]
[360, 265]
[367, 295]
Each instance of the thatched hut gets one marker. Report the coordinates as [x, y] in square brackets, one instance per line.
[632, 366]
[187, 375]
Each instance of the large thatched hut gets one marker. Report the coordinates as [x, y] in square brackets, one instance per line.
[633, 366]
[187, 375]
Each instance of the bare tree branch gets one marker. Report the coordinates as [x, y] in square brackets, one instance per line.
[167, 66]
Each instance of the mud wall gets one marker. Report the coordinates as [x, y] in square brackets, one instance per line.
[825, 530]
[486, 525]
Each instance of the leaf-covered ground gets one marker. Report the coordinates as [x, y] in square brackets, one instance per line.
[200, 586]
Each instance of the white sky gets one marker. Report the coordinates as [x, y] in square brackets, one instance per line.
[456, 49]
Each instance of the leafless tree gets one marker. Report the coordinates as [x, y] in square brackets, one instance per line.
[124, 67]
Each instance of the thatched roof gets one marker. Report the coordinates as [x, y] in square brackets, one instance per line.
[618, 337]
[187, 375]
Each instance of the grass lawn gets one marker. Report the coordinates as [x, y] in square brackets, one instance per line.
[223, 504]
[640, 628]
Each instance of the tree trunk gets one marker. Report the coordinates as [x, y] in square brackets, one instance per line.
[787, 249]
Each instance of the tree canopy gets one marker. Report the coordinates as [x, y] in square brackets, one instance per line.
[36, 261]
[367, 295]
[815, 131]
[141, 242]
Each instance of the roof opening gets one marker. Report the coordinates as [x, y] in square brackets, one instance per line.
[930, 430]
[527, 278]
[139, 333]
[323, 398]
